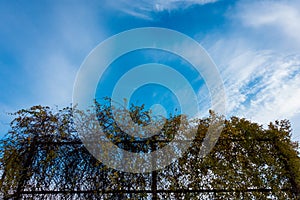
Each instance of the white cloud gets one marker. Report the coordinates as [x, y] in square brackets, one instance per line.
[259, 60]
[52, 50]
[161, 5]
[144, 8]
[52, 57]
[55, 84]
[274, 87]
[54, 66]
[48, 49]
[279, 16]
[261, 85]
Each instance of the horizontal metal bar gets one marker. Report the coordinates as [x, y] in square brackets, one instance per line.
[166, 141]
[183, 191]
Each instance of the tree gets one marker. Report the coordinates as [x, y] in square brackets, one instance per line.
[42, 157]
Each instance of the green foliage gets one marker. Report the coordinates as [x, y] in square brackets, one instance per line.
[43, 152]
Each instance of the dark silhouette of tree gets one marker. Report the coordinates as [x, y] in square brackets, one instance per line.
[42, 157]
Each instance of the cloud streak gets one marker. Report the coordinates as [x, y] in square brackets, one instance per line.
[271, 18]
[260, 61]
[145, 9]
[47, 52]
[261, 85]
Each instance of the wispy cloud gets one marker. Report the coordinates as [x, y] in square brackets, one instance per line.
[144, 9]
[261, 85]
[260, 60]
[272, 18]
[161, 5]
[47, 52]
[77, 33]
[270, 89]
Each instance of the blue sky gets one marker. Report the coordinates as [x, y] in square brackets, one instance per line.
[255, 45]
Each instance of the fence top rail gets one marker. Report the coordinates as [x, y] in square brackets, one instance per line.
[151, 191]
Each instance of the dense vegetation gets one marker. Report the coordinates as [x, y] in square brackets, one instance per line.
[42, 157]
